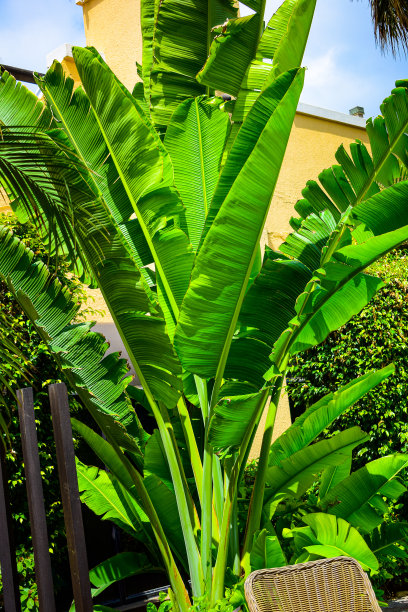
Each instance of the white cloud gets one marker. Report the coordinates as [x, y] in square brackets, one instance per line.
[331, 83]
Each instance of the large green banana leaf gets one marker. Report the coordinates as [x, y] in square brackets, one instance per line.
[351, 498]
[244, 145]
[390, 539]
[266, 311]
[106, 496]
[295, 474]
[317, 417]
[231, 419]
[306, 243]
[176, 49]
[220, 276]
[384, 212]
[338, 289]
[231, 52]
[72, 109]
[282, 43]
[195, 139]
[161, 498]
[334, 474]
[141, 168]
[330, 536]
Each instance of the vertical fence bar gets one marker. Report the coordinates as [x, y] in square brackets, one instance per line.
[39, 532]
[11, 595]
[70, 497]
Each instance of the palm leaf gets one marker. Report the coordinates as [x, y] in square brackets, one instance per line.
[97, 239]
[20, 106]
[99, 379]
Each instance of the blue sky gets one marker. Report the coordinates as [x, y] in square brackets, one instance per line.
[345, 68]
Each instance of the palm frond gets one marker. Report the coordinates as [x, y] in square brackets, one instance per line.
[390, 18]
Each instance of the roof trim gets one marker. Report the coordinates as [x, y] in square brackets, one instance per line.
[329, 115]
[20, 74]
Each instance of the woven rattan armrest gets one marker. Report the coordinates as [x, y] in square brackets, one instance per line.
[326, 585]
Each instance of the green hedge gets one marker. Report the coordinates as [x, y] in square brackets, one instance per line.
[371, 340]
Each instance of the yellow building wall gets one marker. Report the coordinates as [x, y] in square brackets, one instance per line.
[113, 27]
[311, 148]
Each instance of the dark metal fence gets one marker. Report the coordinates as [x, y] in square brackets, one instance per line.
[71, 506]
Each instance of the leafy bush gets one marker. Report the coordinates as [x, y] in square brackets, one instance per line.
[42, 372]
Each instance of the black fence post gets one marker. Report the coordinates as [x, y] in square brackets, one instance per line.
[11, 594]
[70, 497]
[38, 524]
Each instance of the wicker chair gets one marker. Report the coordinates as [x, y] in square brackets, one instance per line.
[326, 585]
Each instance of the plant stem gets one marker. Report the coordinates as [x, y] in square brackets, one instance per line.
[219, 570]
[255, 508]
[191, 444]
[218, 490]
[206, 513]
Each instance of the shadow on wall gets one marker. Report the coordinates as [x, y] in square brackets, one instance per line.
[116, 345]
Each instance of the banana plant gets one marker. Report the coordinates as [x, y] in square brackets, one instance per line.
[159, 197]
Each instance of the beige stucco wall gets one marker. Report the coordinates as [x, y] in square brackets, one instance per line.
[70, 68]
[113, 27]
[311, 148]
